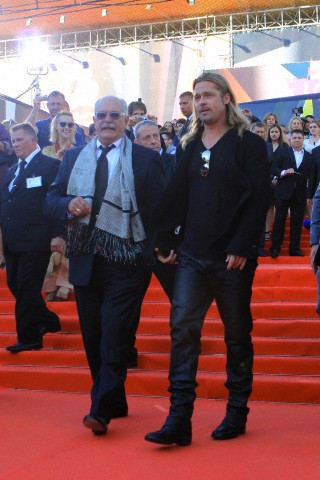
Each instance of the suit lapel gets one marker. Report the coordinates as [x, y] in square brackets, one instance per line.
[28, 172]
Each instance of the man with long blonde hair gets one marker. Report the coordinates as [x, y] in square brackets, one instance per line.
[219, 197]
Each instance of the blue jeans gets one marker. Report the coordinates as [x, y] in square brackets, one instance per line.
[198, 283]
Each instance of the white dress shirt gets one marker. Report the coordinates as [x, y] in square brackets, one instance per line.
[28, 160]
[113, 156]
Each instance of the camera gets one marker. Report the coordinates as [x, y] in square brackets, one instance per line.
[297, 111]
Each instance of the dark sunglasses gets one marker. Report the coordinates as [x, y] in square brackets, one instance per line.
[64, 124]
[112, 115]
[204, 170]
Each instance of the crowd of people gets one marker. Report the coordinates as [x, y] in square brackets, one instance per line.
[192, 201]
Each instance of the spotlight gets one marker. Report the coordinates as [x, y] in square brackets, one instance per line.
[62, 18]
[191, 2]
[29, 22]
[104, 12]
[148, 7]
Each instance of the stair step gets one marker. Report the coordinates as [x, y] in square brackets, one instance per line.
[298, 388]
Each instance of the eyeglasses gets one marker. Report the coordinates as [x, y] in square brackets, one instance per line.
[64, 124]
[204, 170]
[112, 115]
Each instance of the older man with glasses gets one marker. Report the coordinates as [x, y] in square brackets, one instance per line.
[106, 191]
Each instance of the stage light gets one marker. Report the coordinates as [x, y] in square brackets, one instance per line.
[191, 2]
[104, 12]
[35, 53]
[29, 22]
[84, 64]
[121, 59]
[148, 7]
[62, 18]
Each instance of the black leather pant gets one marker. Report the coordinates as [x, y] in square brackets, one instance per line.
[198, 282]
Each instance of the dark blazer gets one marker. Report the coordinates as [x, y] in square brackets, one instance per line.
[149, 186]
[242, 193]
[286, 185]
[23, 223]
[169, 163]
[315, 174]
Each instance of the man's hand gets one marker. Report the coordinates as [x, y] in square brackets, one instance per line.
[289, 171]
[57, 244]
[79, 207]
[171, 259]
[313, 252]
[36, 104]
[235, 261]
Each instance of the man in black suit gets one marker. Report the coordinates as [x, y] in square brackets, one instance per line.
[293, 170]
[315, 176]
[27, 234]
[147, 134]
[107, 190]
[186, 107]
[219, 196]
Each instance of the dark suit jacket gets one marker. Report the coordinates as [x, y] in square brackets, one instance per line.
[242, 195]
[168, 162]
[23, 223]
[315, 174]
[149, 186]
[299, 183]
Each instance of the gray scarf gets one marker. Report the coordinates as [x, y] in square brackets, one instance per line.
[118, 233]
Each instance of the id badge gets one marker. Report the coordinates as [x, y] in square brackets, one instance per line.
[34, 182]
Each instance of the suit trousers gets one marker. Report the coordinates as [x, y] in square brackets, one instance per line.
[165, 273]
[25, 275]
[198, 283]
[296, 218]
[105, 309]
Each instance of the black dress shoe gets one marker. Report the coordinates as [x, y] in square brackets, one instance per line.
[296, 253]
[175, 431]
[274, 252]
[98, 425]
[228, 430]
[55, 329]
[23, 347]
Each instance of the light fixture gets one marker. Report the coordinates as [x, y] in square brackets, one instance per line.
[29, 22]
[148, 6]
[84, 64]
[121, 59]
[62, 18]
[191, 2]
[104, 12]
[155, 56]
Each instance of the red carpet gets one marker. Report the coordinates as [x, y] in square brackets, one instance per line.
[286, 341]
[42, 438]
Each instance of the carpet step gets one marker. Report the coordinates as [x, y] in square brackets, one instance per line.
[210, 345]
[271, 364]
[262, 327]
[263, 309]
[211, 385]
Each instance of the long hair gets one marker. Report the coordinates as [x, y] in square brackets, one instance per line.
[280, 140]
[54, 135]
[234, 117]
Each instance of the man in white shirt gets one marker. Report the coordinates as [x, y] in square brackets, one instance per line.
[293, 169]
[27, 237]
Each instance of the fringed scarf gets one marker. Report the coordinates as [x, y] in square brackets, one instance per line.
[118, 233]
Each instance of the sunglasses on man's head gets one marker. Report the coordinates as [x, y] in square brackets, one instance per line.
[112, 115]
[64, 124]
[204, 170]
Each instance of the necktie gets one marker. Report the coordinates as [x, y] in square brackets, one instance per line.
[101, 179]
[20, 175]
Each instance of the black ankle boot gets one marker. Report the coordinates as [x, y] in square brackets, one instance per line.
[175, 431]
[233, 424]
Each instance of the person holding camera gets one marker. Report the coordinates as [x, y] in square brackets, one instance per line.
[55, 102]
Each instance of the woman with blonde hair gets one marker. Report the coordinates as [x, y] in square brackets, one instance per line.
[62, 136]
[270, 119]
[295, 124]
